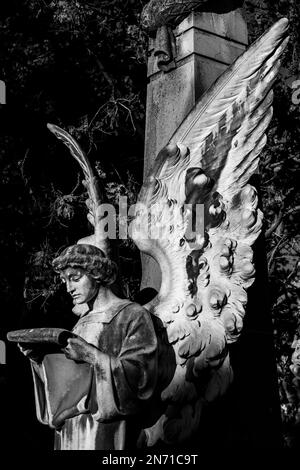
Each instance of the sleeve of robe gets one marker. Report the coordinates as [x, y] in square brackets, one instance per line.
[61, 388]
[39, 393]
[122, 382]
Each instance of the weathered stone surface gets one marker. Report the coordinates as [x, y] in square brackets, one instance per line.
[196, 41]
[197, 35]
[227, 25]
[206, 44]
[170, 97]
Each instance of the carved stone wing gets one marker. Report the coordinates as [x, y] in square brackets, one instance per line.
[207, 267]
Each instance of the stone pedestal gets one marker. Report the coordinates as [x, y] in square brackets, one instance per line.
[206, 44]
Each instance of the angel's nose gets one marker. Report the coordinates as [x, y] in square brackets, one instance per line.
[70, 287]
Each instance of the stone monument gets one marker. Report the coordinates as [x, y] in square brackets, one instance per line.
[209, 147]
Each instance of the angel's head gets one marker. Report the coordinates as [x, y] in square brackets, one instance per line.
[84, 269]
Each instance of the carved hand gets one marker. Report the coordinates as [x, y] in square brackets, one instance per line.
[80, 350]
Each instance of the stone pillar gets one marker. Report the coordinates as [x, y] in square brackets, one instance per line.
[206, 44]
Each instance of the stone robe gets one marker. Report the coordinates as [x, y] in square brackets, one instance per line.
[109, 408]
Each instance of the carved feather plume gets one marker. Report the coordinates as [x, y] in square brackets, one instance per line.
[207, 268]
[91, 183]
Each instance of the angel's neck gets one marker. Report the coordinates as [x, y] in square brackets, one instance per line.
[104, 299]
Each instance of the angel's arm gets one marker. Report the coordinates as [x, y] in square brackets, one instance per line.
[122, 381]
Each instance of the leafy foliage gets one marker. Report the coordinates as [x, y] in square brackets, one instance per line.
[82, 66]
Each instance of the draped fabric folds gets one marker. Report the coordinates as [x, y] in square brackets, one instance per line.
[100, 406]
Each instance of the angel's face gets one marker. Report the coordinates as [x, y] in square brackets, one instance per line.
[82, 287]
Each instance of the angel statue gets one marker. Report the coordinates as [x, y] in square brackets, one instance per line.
[116, 339]
[159, 365]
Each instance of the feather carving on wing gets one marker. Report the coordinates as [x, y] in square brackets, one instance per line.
[207, 267]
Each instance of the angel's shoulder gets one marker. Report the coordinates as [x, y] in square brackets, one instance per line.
[135, 311]
[136, 321]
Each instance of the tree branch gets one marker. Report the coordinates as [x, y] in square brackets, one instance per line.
[279, 219]
[283, 239]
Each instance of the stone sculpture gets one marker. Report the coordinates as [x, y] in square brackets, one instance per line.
[160, 17]
[158, 13]
[98, 403]
[209, 160]
[206, 269]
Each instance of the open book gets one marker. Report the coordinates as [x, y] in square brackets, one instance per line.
[57, 336]
[62, 386]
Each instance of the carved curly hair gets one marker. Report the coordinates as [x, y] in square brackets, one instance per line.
[89, 258]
